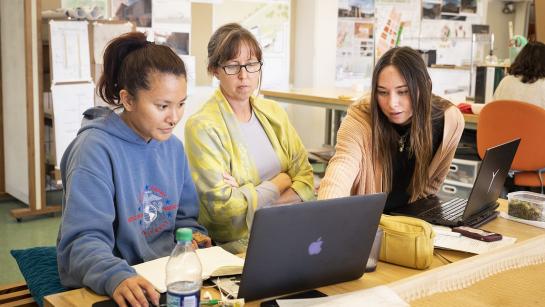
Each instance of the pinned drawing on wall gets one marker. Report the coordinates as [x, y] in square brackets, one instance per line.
[404, 17]
[469, 6]
[355, 42]
[69, 103]
[91, 9]
[451, 6]
[431, 9]
[269, 22]
[137, 11]
[103, 33]
[387, 37]
[356, 8]
[178, 41]
[69, 47]
[363, 30]
[172, 14]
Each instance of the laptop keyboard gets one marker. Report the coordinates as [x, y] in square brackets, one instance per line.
[451, 210]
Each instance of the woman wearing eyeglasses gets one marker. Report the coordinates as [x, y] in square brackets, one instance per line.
[243, 151]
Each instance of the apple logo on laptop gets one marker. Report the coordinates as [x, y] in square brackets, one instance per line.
[315, 247]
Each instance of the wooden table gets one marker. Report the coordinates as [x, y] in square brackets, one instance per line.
[335, 101]
[471, 121]
[384, 274]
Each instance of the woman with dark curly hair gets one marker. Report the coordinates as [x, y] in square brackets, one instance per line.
[526, 79]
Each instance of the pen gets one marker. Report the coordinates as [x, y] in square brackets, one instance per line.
[448, 233]
[210, 302]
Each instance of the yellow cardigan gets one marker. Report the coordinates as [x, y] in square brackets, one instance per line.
[214, 145]
[351, 171]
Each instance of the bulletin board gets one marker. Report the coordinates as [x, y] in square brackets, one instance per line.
[355, 42]
[442, 25]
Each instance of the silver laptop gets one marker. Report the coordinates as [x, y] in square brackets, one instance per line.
[309, 245]
[481, 205]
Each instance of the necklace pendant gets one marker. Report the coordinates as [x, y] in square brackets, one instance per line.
[401, 146]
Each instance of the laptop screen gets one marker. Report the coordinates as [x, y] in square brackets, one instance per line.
[491, 177]
[304, 246]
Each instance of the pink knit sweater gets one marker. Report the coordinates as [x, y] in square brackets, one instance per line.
[351, 171]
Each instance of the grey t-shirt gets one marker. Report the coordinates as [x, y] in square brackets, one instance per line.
[265, 159]
[260, 148]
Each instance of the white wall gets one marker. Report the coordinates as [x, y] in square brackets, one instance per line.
[196, 98]
[315, 31]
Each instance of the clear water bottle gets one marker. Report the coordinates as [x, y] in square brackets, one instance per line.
[184, 277]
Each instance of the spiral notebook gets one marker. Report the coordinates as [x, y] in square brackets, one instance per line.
[215, 262]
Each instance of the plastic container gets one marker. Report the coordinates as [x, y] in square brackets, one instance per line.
[451, 189]
[183, 273]
[463, 171]
[527, 205]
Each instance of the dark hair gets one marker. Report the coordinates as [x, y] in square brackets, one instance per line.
[128, 61]
[226, 42]
[412, 68]
[529, 63]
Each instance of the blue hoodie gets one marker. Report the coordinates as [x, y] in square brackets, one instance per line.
[123, 199]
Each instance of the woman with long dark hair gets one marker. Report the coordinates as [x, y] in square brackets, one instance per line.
[401, 140]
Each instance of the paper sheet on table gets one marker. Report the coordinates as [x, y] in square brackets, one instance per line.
[528, 222]
[215, 262]
[469, 245]
[377, 296]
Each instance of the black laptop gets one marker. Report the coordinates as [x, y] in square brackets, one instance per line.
[309, 245]
[481, 205]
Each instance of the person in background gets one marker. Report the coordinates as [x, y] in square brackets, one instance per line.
[243, 151]
[127, 184]
[401, 140]
[526, 79]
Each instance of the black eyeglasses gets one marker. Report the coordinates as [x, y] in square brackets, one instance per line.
[235, 68]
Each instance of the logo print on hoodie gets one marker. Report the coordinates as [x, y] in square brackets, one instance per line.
[153, 206]
[155, 213]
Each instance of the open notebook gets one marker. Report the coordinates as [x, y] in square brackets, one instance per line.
[215, 262]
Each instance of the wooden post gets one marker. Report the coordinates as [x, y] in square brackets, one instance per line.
[539, 9]
[2, 172]
[201, 29]
[34, 115]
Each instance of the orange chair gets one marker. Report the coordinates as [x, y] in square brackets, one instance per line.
[504, 120]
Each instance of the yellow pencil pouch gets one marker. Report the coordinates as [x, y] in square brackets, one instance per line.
[406, 241]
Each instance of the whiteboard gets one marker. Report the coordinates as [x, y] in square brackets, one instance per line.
[69, 103]
[14, 96]
[103, 33]
[69, 45]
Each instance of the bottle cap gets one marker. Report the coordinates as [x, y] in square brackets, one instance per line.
[184, 234]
